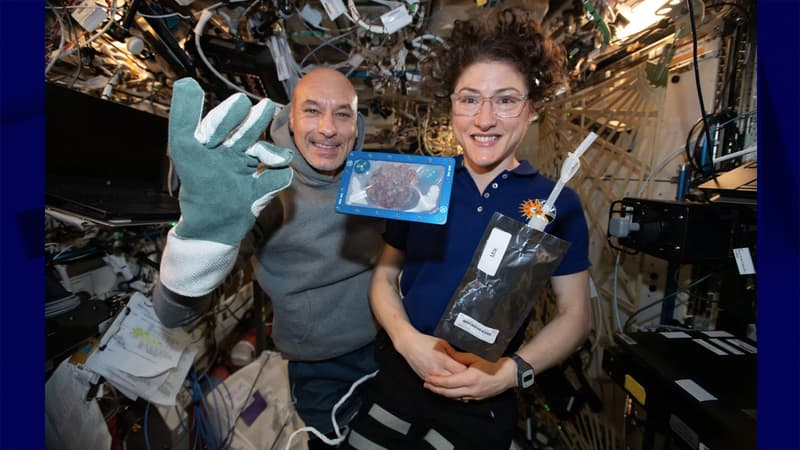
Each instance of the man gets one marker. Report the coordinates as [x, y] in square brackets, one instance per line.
[314, 264]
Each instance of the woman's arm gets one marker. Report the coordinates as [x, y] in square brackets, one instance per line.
[427, 355]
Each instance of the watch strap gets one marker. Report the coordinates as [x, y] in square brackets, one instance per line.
[525, 372]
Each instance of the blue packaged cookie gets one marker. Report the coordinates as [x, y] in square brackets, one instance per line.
[396, 186]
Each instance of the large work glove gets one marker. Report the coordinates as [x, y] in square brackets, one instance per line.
[221, 193]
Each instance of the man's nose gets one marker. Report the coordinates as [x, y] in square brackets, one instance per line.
[326, 125]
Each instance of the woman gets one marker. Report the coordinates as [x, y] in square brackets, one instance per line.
[427, 394]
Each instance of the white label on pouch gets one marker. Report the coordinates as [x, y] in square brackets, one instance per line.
[475, 328]
[493, 251]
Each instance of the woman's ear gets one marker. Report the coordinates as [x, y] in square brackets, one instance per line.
[533, 113]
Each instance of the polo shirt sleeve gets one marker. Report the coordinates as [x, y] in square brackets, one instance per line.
[396, 234]
[570, 225]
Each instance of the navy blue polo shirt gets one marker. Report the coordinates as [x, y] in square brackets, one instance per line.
[437, 256]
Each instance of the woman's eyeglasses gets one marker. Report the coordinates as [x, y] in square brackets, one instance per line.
[504, 106]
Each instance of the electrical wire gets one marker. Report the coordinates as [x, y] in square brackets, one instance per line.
[308, 25]
[109, 23]
[206, 15]
[355, 17]
[62, 39]
[703, 113]
[339, 437]
[146, 431]
[614, 296]
[249, 394]
[226, 441]
[164, 16]
[657, 168]
[323, 44]
[662, 299]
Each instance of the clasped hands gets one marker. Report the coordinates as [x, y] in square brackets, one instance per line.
[453, 374]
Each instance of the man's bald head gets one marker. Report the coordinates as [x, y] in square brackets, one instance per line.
[325, 79]
[323, 119]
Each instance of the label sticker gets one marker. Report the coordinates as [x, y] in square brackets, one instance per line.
[710, 347]
[743, 345]
[625, 338]
[493, 251]
[744, 262]
[475, 328]
[727, 347]
[693, 388]
[635, 389]
[683, 430]
[717, 333]
[254, 409]
[395, 19]
[675, 334]
[334, 8]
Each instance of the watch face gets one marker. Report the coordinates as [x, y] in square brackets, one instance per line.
[525, 372]
[526, 378]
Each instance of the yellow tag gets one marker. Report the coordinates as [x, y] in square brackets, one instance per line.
[635, 389]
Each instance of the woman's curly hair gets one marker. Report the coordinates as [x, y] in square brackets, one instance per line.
[509, 35]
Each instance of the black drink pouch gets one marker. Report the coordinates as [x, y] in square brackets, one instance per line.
[511, 265]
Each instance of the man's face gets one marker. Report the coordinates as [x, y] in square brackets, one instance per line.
[323, 119]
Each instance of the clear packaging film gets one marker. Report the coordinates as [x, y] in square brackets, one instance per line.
[396, 186]
[511, 265]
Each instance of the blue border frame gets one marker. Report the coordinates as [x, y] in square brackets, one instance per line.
[22, 198]
[439, 217]
[778, 226]
[22, 234]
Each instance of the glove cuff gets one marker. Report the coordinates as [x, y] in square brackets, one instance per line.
[194, 267]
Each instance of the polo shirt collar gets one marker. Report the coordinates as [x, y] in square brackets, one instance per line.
[523, 169]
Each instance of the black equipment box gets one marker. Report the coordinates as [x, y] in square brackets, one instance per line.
[699, 385]
[681, 232]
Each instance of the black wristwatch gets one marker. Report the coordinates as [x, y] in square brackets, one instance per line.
[525, 373]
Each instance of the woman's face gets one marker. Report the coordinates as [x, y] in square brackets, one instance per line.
[489, 141]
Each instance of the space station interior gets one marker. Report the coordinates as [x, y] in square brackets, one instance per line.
[665, 88]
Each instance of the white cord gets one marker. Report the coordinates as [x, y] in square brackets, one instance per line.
[356, 18]
[752, 149]
[658, 167]
[416, 42]
[339, 436]
[198, 31]
[614, 297]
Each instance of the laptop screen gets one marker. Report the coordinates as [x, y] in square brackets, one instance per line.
[104, 160]
[99, 141]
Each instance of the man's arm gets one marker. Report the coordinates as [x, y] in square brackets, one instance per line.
[176, 310]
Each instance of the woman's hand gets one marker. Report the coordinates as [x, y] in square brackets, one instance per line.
[428, 355]
[481, 379]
